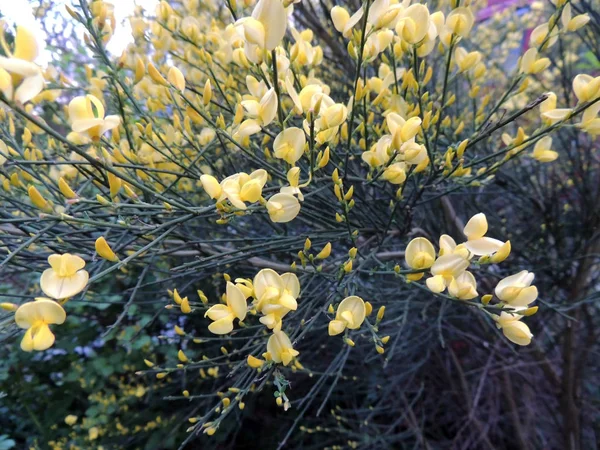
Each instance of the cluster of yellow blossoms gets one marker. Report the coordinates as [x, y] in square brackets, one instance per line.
[448, 269]
[273, 296]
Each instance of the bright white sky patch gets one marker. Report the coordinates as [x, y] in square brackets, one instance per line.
[19, 12]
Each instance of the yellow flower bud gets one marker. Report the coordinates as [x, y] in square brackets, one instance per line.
[65, 189]
[176, 78]
[380, 313]
[207, 93]
[156, 76]
[325, 252]
[37, 199]
[348, 266]
[255, 363]
[104, 250]
[185, 306]
[182, 357]
[9, 307]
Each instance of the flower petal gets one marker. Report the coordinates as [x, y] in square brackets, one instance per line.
[58, 287]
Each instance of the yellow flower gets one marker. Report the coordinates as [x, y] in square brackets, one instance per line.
[463, 287]
[448, 246]
[477, 243]
[325, 251]
[542, 150]
[460, 21]
[86, 114]
[266, 28]
[350, 314]
[280, 348]
[414, 23]
[419, 254]
[512, 327]
[35, 318]
[530, 64]
[223, 315]
[283, 207]
[586, 88]
[444, 270]
[402, 130]
[20, 78]
[275, 295]
[239, 188]
[289, 145]
[516, 290]
[342, 20]
[465, 60]
[71, 420]
[93, 433]
[395, 173]
[65, 278]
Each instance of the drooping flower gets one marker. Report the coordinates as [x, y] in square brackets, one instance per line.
[516, 290]
[86, 114]
[223, 315]
[36, 317]
[280, 348]
[20, 78]
[65, 278]
[350, 314]
[512, 327]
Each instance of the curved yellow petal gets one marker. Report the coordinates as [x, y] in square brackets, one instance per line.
[336, 327]
[66, 264]
[218, 312]
[41, 310]
[222, 326]
[42, 337]
[80, 109]
[25, 44]
[27, 341]
[58, 287]
[236, 301]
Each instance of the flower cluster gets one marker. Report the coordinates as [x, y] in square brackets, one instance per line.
[449, 271]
